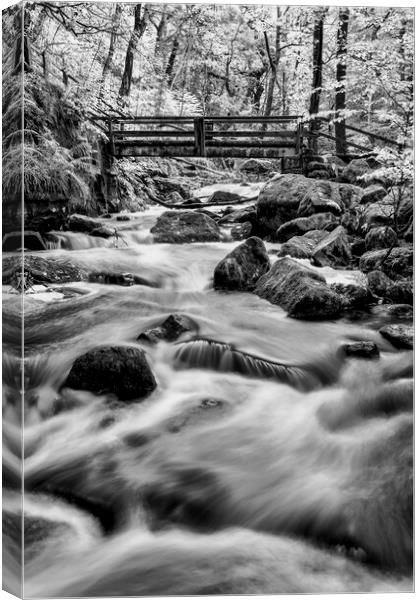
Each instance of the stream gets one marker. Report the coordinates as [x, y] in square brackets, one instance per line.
[218, 482]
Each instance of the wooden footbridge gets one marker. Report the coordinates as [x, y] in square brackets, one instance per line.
[281, 137]
[208, 137]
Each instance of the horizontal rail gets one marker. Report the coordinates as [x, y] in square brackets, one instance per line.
[145, 134]
[209, 134]
[331, 137]
[166, 119]
[365, 132]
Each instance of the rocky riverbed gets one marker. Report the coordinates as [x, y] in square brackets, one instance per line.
[217, 386]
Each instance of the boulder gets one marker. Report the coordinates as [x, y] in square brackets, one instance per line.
[123, 218]
[32, 240]
[379, 214]
[256, 165]
[361, 350]
[180, 227]
[381, 237]
[224, 197]
[240, 215]
[327, 196]
[352, 220]
[373, 193]
[297, 247]
[110, 278]
[404, 212]
[282, 197]
[242, 268]
[241, 231]
[378, 283]
[300, 226]
[314, 203]
[279, 200]
[170, 330]
[400, 292]
[334, 250]
[301, 291]
[82, 224]
[41, 270]
[316, 165]
[394, 262]
[354, 171]
[401, 311]
[174, 198]
[103, 231]
[358, 247]
[353, 295]
[401, 336]
[315, 235]
[120, 370]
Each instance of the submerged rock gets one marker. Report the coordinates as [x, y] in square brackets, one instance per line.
[241, 269]
[301, 291]
[180, 227]
[120, 370]
[125, 279]
[170, 330]
[222, 357]
[361, 350]
[401, 336]
[334, 250]
[42, 270]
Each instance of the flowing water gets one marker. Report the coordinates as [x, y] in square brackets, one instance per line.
[264, 461]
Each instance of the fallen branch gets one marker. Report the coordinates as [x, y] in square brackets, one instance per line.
[203, 167]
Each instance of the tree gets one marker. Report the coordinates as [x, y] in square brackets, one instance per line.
[140, 23]
[341, 71]
[317, 47]
[111, 50]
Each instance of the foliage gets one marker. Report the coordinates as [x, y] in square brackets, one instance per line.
[195, 59]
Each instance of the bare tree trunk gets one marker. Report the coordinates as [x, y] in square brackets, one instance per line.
[115, 23]
[340, 93]
[140, 23]
[161, 30]
[274, 63]
[170, 72]
[318, 41]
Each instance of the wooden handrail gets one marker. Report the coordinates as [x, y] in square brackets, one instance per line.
[365, 132]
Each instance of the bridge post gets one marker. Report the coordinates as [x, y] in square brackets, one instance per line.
[200, 136]
[111, 136]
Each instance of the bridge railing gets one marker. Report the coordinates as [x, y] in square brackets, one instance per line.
[204, 136]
